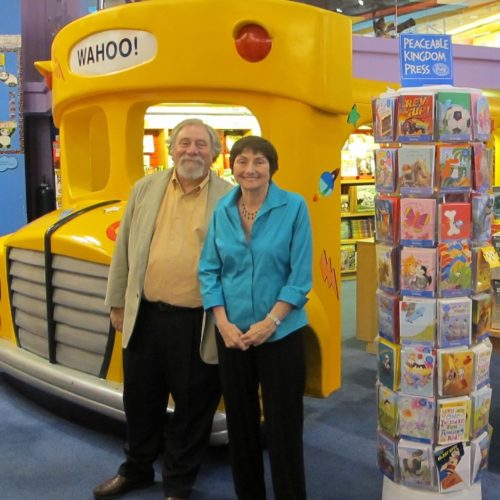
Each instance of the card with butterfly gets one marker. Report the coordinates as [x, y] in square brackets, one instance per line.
[418, 222]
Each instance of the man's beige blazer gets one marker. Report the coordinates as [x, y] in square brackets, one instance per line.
[130, 258]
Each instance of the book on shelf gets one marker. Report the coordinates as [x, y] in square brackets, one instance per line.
[383, 110]
[454, 321]
[348, 167]
[482, 358]
[481, 120]
[347, 258]
[480, 454]
[453, 420]
[418, 368]
[387, 267]
[416, 417]
[345, 229]
[344, 204]
[362, 198]
[482, 216]
[454, 166]
[388, 315]
[453, 116]
[388, 363]
[386, 169]
[455, 367]
[387, 409]
[480, 410]
[481, 316]
[418, 271]
[416, 464]
[362, 228]
[482, 167]
[454, 274]
[454, 221]
[418, 222]
[416, 169]
[387, 455]
[453, 463]
[417, 319]
[386, 219]
[415, 118]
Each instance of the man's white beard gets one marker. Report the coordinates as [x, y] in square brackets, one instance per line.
[193, 173]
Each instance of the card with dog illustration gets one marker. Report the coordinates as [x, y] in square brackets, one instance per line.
[416, 170]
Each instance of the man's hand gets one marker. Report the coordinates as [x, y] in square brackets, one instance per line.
[116, 316]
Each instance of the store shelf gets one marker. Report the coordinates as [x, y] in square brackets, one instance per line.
[357, 214]
[356, 180]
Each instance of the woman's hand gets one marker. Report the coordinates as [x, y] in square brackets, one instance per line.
[259, 332]
[116, 316]
[232, 336]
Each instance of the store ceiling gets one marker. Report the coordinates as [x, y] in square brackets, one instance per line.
[474, 22]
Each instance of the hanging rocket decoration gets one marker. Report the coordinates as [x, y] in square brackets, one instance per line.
[326, 184]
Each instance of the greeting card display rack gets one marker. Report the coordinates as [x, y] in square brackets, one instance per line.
[433, 214]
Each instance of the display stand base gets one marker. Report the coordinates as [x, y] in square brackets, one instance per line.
[394, 491]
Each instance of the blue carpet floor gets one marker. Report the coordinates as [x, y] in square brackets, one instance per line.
[49, 450]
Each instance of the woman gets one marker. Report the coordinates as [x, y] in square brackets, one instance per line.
[255, 273]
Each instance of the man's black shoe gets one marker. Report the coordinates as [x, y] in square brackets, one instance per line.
[119, 485]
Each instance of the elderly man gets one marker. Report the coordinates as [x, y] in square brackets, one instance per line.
[153, 292]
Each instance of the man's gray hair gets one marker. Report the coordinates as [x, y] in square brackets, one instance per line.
[215, 144]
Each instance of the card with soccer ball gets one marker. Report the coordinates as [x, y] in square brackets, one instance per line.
[454, 116]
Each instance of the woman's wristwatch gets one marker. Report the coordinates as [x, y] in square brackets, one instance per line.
[276, 320]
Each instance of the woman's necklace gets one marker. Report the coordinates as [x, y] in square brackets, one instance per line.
[247, 214]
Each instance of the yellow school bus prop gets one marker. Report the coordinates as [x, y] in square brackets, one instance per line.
[288, 63]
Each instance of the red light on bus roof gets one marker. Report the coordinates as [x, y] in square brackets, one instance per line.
[253, 42]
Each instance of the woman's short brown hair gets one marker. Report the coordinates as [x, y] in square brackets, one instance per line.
[255, 144]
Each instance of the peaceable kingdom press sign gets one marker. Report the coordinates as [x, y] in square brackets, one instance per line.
[425, 60]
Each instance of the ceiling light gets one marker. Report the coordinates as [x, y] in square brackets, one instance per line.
[361, 2]
[475, 24]
[339, 10]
